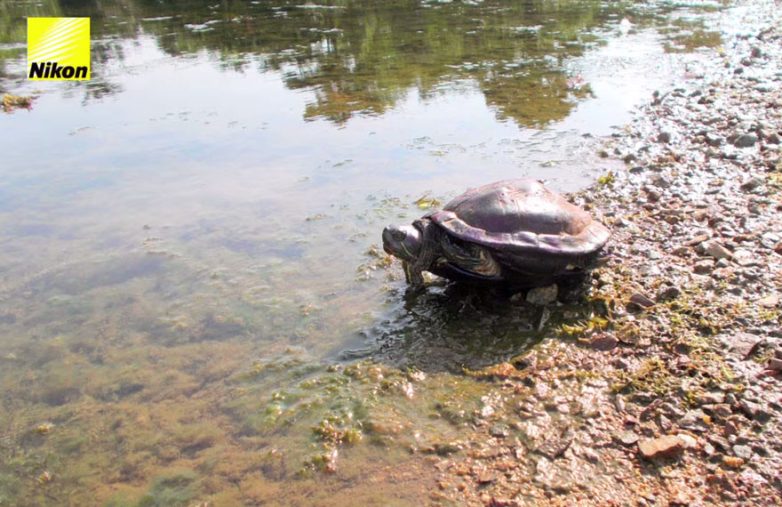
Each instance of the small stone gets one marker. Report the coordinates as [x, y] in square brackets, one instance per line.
[751, 184]
[486, 477]
[732, 461]
[774, 364]
[627, 438]
[661, 182]
[711, 398]
[697, 240]
[773, 138]
[719, 409]
[754, 411]
[665, 446]
[542, 296]
[664, 137]
[714, 140]
[743, 451]
[542, 391]
[745, 141]
[555, 447]
[590, 455]
[769, 301]
[641, 300]
[499, 431]
[716, 250]
[500, 501]
[668, 294]
[743, 344]
[692, 420]
[690, 442]
[703, 267]
[745, 258]
[603, 341]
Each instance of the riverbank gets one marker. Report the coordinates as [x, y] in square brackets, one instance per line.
[665, 388]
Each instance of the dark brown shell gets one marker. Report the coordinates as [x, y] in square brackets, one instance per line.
[522, 217]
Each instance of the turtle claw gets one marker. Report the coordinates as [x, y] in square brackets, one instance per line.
[413, 277]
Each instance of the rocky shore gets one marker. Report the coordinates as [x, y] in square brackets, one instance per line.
[664, 388]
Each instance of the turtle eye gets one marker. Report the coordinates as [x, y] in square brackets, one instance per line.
[398, 235]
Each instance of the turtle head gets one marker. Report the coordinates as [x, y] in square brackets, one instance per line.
[402, 241]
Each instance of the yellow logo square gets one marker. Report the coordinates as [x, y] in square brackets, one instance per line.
[58, 49]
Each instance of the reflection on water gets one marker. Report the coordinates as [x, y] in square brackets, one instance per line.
[453, 327]
[189, 241]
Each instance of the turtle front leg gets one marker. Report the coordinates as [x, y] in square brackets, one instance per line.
[413, 276]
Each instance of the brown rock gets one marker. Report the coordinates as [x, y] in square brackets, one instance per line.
[627, 438]
[743, 344]
[668, 294]
[486, 477]
[716, 250]
[732, 461]
[697, 240]
[703, 267]
[603, 341]
[641, 300]
[754, 411]
[662, 447]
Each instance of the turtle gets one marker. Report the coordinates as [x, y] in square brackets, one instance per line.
[516, 232]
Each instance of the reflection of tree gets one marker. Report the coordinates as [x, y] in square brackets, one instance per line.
[359, 56]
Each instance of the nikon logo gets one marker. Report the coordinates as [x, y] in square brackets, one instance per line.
[51, 70]
[58, 49]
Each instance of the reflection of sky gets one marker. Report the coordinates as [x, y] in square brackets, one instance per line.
[184, 140]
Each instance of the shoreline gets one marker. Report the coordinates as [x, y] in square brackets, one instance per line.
[667, 390]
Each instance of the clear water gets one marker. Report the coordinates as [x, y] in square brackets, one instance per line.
[190, 266]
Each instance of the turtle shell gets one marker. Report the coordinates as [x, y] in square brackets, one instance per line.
[522, 218]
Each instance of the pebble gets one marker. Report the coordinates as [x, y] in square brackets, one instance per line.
[703, 267]
[711, 398]
[774, 364]
[745, 141]
[603, 341]
[668, 294]
[714, 140]
[663, 447]
[716, 250]
[751, 184]
[754, 411]
[743, 451]
[641, 300]
[627, 438]
[743, 344]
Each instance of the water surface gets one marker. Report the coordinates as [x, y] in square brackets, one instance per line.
[190, 263]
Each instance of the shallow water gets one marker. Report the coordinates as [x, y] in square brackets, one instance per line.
[190, 278]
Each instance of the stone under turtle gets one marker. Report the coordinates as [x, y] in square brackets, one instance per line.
[515, 231]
